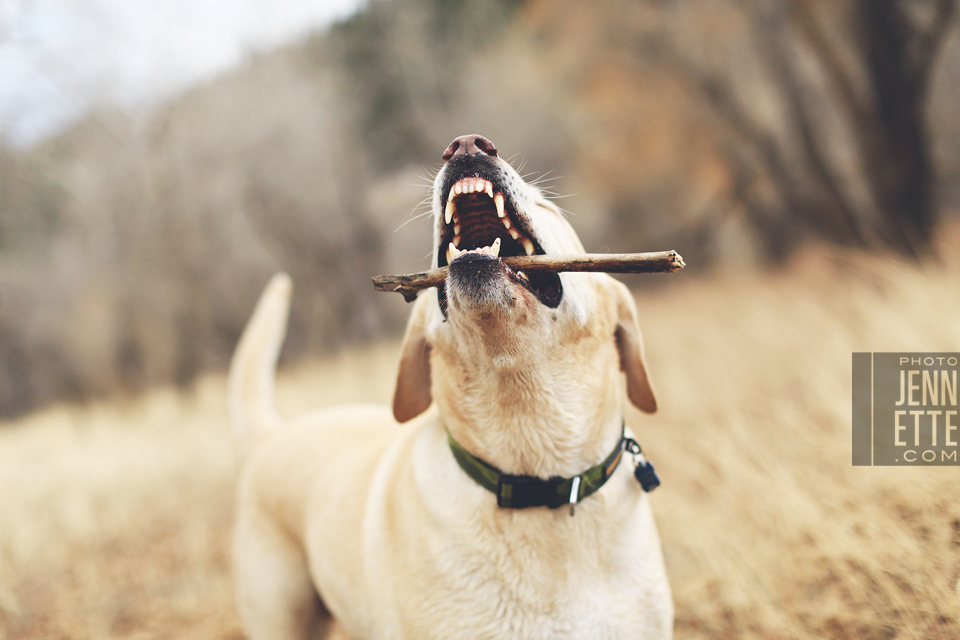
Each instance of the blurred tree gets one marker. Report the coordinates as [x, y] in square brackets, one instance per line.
[405, 65]
[848, 153]
[29, 205]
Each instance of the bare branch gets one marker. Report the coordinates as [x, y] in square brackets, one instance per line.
[771, 32]
[929, 43]
[726, 106]
[829, 58]
[769, 28]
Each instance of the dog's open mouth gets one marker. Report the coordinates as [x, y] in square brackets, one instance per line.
[480, 219]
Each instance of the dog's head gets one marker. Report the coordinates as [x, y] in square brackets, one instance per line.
[491, 339]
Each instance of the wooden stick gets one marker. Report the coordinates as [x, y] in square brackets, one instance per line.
[655, 262]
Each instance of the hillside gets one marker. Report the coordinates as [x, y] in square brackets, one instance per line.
[117, 516]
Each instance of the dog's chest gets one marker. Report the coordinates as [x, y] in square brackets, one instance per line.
[526, 599]
[485, 572]
[500, 614]
[527, 584]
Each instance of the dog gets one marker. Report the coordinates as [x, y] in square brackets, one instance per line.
[458, 525]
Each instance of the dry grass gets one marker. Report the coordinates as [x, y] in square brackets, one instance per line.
[768, 529]
[116, 519]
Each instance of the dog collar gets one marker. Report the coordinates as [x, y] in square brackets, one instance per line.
[520, 492]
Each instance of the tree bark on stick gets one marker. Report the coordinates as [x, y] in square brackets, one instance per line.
[654, 262]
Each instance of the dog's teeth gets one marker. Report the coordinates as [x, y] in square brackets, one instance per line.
[489, 188]
[495, 248]
[521, 274]
[514, 234]
[498, 201]
[458, 188]
[456, 240]
[451, 195]
[450, 250]
[506, 222]
[456, 228]
[527, 245]
[450, 210]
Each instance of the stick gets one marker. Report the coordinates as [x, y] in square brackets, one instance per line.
[656, 262]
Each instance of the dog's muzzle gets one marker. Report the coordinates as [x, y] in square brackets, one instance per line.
[482, 220]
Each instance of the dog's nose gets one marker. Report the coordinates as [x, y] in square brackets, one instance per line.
[471, 145]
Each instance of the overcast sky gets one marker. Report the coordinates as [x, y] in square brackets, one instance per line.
[59, 57]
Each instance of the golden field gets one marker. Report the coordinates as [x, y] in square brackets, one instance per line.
[115, 517]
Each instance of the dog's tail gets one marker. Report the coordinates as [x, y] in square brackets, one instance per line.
[253, 368]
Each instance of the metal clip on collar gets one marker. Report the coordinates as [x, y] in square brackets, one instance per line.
[643, 469]
[574, 494]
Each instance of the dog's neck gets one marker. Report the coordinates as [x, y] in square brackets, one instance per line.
[526, 414]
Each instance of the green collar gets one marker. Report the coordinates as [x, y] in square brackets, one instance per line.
[520, 492]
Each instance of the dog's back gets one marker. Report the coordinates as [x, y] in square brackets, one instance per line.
[283, 463]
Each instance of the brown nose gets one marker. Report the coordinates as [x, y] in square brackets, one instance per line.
[471, 145]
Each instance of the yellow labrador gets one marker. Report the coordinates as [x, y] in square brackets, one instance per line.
[448, 527]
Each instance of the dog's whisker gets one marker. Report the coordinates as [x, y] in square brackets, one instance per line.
[543, 177]
[427, 175]
[421, 216]
[420, 185]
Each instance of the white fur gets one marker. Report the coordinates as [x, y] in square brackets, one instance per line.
[352, 525]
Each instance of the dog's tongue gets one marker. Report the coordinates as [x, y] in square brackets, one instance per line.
[493, 250]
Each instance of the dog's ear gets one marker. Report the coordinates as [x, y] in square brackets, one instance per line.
[412, 396]
[630, 346]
